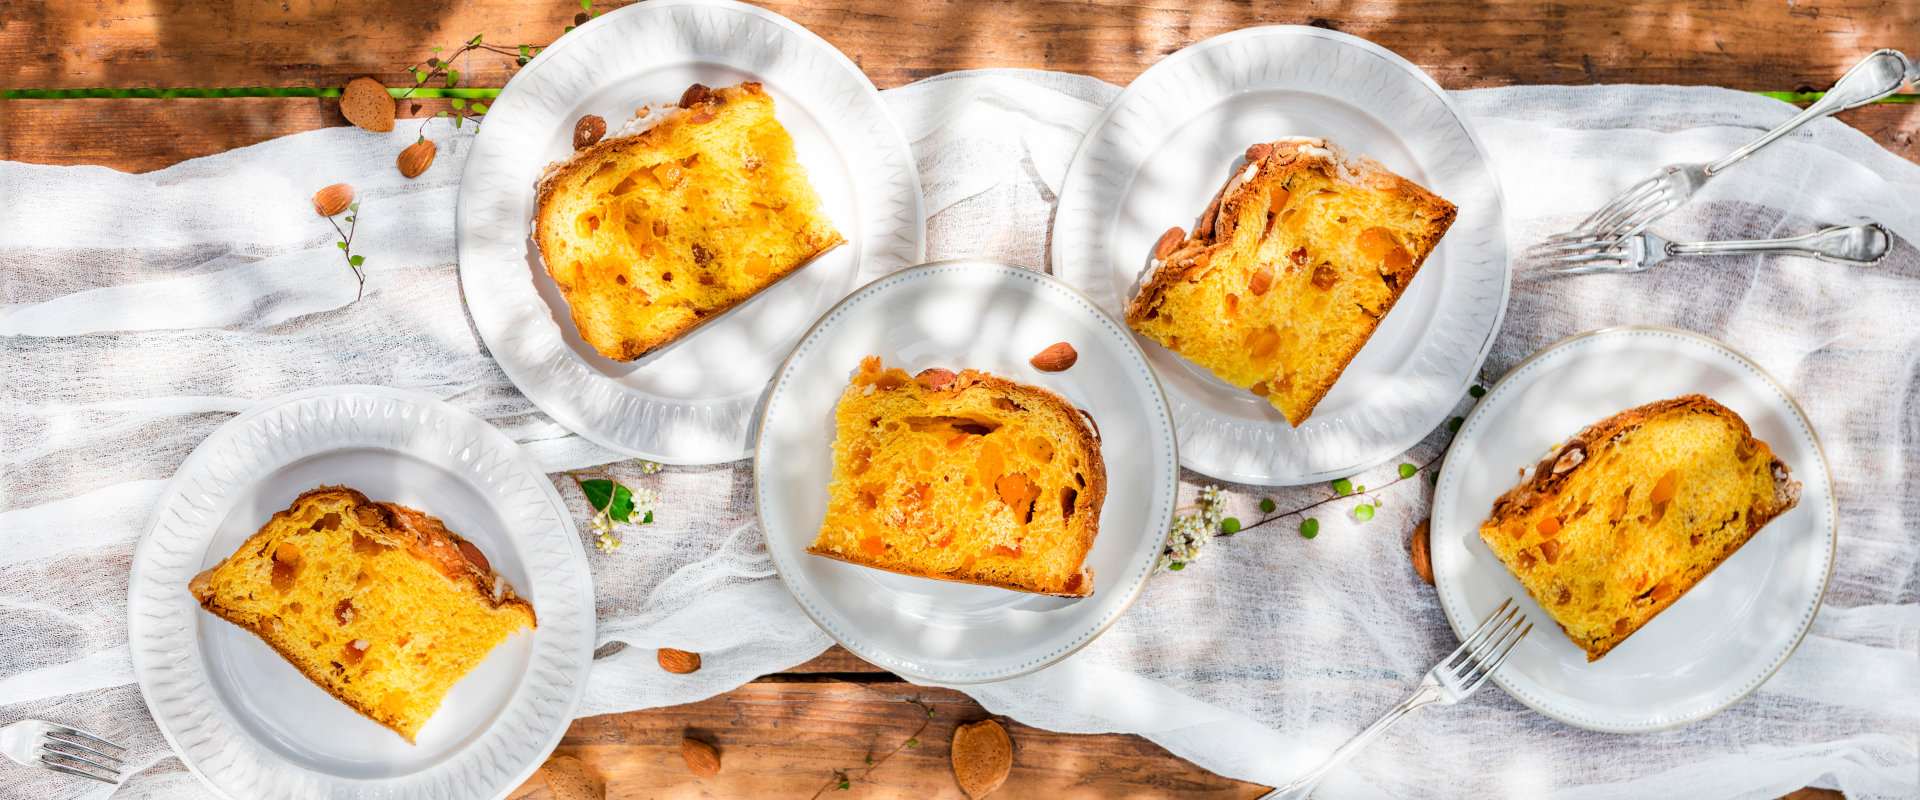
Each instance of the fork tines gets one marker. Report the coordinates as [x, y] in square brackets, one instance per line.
[1475, 660]
[82, 754]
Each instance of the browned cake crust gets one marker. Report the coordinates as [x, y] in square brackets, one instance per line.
[1083, 434]
[1276, 163]
[423, 536]
[1564, 465]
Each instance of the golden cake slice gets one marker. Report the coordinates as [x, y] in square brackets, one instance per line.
[1621, 520]
[1289, 270]
[676, 218]
[966, 477]
[376, 603]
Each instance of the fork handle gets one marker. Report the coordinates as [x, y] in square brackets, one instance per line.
[1859, 244]
[1300, 788]
[1880, 74]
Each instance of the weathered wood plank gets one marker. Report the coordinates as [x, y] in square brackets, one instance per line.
[1463, 43]
[789, 739]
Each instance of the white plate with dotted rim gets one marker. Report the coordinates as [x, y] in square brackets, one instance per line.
[692, 402]
[990, 317]
[249, 724]
[1172, 138]
[1713, 646]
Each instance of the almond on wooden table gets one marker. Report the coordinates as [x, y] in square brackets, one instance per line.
[982, 757]
[679, 662]
[1058, 357]
[701, 757]
[570, 778]
[366, 103]
[332, 200]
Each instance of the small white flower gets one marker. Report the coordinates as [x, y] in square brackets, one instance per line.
[649, 467]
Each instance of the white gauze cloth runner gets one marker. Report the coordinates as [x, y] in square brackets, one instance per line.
[142, 311]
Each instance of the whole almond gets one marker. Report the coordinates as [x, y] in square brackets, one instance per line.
[416, 158]
[1058, 357]
[1422, 557]
[366, 103]
[589, 130]
[936, 378]
[695, 94]
[982, 757]
[701, 757]
[1257, 153]
[333, 199]
[1169, 242]
[571, 779]
[679, 662]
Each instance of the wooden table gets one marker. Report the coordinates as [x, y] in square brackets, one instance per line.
[791, 733]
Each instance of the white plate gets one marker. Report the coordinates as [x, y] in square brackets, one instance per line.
[965, 315]
[1723, 638]
[245, 720]
[691, 403]
[1171, 139]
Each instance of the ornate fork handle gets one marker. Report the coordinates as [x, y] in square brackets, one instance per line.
[1880, 74]
[1427, 694]
[1862, 244]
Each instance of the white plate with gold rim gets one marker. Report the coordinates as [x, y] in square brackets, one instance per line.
[249, 724]
[692, 402]
[1174, 136]
[1714, 645]
[965, 315]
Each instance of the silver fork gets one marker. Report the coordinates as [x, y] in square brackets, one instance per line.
[1449, 682]
[33, 743]
[1880, 74]
[1857, 244]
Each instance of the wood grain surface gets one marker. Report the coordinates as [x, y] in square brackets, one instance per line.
[791, 734]
[324, 43]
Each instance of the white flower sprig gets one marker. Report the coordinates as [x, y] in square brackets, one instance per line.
[615, 503]
[1192, 531]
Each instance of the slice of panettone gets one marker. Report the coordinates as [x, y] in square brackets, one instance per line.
[376, 603]
[965, 477]
[1624, 518]
[651, 233]
[1290, 270]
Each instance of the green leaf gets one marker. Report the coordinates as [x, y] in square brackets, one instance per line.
[1433, 478]
[348, 219]
[586, 5]
[1266, 505]
[613, 498]
[476, 38]
[479, 108]
[525, 50]
[1310, 528]
[1359, 490]
[354, 207]
[648, 520]
[912, 742]
[441, 114]
[453, 77]
[343, 245]
[843, 784]
[457, 103]
[1230, 526]
[356, 260]
[419, 75]
[1343, 487]
[869, 760]
[569, 29]
[1363, 513]
[458, 120]
[1477, 392]
[1453, 425]
[1407, 470]
[438, 48]
[1177, 566]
